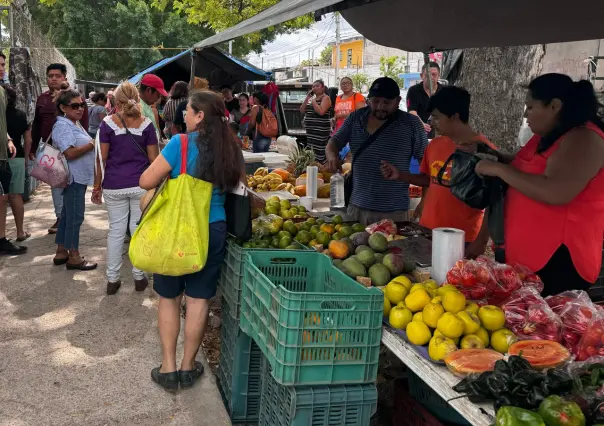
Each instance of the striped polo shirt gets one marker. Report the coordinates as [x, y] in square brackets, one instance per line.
[403, 139]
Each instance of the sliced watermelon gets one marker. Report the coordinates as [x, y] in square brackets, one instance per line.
[540, 353]
[468, 361]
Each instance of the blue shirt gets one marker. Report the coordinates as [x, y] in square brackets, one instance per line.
[66, 134]
[398, 143]
[172, 154]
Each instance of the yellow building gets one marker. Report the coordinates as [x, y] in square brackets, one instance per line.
[351, 53]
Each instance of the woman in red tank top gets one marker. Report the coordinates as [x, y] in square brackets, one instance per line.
[554, 207]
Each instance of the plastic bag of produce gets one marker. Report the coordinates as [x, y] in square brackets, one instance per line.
[530, 317]
[507, 282]
[592, 342]
[575, 317]
[472, 278]
[556, 411]
[528, 277]
[558, 301]
[514, 416]
[386, 227]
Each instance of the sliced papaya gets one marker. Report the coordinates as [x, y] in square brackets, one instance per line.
[468, 361]
[540, 353]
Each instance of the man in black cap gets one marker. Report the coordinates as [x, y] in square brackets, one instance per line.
[379, 132]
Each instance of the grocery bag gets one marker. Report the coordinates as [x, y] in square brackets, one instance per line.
[50, 166]
[173, 235]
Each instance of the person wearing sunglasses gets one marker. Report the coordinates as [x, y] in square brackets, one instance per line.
[75, 143]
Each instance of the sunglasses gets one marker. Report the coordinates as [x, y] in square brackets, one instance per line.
[77, 106]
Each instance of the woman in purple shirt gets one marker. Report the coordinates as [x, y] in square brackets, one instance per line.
[128, 145]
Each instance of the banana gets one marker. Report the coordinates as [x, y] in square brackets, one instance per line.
[262, 171]
[258, 179]
[281, 187]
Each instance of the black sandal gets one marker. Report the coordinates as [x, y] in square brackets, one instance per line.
[10, 249]
[168, 381]
[58, 261]
[189, 377]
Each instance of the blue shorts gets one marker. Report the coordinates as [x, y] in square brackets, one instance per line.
[202, 284]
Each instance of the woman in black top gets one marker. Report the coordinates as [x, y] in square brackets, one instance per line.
[20, 132]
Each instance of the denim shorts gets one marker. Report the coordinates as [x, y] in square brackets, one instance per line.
[202, 284]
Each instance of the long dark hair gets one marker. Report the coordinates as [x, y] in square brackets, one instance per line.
[579, 104]
[65, 95]
[180, 89]
[220, 159]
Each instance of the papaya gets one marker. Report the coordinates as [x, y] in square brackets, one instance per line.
[339, 249]
[285, 175]
[468, 361]
[540, 354]
[300, 190]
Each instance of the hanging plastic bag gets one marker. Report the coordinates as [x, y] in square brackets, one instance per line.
[173, 235]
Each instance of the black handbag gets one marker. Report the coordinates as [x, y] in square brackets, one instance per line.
[5, 176]
[348, 178]
[238, 209]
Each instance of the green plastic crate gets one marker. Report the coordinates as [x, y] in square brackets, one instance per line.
[340, 405]
[315, 325]
[231, 274]
[239, 371]
[432, 401]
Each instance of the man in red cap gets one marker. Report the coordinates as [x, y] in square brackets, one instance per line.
[150, 90]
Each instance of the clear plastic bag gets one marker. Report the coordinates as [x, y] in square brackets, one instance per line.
[530, 317]
[592, 341]
[576, 316]
[386, 227]
[528, 277]
[558, 301]
[473, 279]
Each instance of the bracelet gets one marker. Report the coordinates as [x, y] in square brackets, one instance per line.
[96, 189]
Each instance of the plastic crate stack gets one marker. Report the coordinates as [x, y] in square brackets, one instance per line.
[239, 366]
[319, 332]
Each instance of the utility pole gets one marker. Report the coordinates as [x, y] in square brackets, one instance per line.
[231, 47]
[262, 59]
[337, 59]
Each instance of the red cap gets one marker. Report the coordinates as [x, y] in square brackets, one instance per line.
[151, 80]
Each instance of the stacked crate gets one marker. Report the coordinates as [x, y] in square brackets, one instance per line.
[319, 332]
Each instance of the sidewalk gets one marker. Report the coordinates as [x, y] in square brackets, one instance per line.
[69, 354]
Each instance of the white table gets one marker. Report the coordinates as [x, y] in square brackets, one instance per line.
[439, 379]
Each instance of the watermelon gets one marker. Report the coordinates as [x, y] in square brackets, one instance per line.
[540, 354]
[469, 361]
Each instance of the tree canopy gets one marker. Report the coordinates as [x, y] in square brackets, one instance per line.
[162, 24]
[392, 66]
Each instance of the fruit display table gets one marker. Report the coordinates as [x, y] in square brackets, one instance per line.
[438, 378]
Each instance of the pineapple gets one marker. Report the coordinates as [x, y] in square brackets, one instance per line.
[299, 160]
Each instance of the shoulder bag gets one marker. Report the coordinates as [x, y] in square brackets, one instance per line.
[50, 165]
[140, 148]
[238, 209]
[370, 139]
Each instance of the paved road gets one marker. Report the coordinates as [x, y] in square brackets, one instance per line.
[69, 354]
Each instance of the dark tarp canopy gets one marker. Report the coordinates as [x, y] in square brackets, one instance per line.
[211, 63]
[441, 24]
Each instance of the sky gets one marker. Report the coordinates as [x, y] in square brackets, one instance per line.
[291, 49]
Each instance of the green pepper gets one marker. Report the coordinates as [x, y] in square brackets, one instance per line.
[559, 412]
[514, 416]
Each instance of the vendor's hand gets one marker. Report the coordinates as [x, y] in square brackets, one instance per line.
[333, 165]
[32, 156]
[488, 168]
[11, 149]
[476, 248]
[427, 128]
[417, 213]
[389, 171]
[97, 197]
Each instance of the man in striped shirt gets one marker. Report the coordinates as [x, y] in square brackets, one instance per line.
[403, 136]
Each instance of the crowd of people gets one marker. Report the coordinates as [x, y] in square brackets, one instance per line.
[554, 210]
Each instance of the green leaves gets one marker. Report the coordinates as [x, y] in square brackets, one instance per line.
[392, 66]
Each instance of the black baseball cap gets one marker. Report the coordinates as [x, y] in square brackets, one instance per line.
[384, 87]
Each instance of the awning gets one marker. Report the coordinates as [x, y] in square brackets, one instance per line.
[96, 83]
[277, 14]
[216, 66]
[421, 26]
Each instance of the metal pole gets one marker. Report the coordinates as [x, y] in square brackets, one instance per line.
[312, 65]
[192, 76]
[337, 46]
[427, 64]
[231, 47]
[11, 27]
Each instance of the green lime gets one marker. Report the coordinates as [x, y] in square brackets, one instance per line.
[286, 214]
[310, 220]
[248, 245]
[304, 237]
[357, 227]
[323, 238]
[290, 227]
[294, 210]
[314, 230]
[320, 222]
[271, 210]
[282, 234]
[275, 242]
[337, 236]
[285, 242]
[292, 247]
[263, 244]
[346, 231]
[337, 220]
[301, 209]
[285, 204]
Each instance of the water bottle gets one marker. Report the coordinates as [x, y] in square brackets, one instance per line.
[337, 191]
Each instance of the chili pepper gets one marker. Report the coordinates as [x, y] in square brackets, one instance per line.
[497, 384]
[557, 382]
[535, 397]
[517, 363]
[503, 400]
[527, 378]
[502, 369]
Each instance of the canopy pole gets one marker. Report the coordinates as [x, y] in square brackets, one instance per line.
[192, 76]
[427, 66]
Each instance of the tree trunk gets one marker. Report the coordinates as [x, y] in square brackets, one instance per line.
[496, 78]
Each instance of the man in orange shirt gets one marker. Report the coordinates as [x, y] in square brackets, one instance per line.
[450, 110]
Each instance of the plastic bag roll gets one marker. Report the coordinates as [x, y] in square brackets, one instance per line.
[448, 246]
[312, 184]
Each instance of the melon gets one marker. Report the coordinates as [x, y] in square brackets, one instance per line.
[540, 354]
[469, 361]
